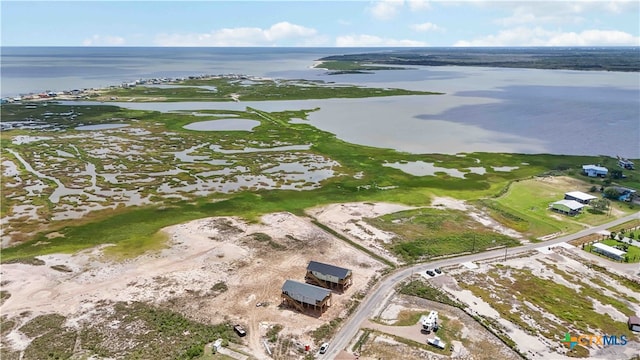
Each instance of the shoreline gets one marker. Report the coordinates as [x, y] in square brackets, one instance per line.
[87, 93]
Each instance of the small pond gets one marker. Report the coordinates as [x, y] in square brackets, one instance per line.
[101, 126]
[223, 125]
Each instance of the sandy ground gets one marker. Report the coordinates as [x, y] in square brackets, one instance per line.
[568, 259]
[201, 253]
[473, 338]
[347, 219]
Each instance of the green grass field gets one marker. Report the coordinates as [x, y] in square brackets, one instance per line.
[425, 233]
[633, 252]
[525, 207]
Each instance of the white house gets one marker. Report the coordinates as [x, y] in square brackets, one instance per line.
[609, 251]
[595, 170]
[579, 196]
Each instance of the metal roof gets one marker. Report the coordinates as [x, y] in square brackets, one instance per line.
[571, 204]
[609, 249]
[595, 168]
[305, 293]
[580, 195]
[327, 269]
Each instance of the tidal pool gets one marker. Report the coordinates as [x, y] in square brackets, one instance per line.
[101, 126]
[421, 168]
[223, 125]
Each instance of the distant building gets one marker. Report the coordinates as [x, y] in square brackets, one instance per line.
[626, 194]
[304, 296]
[625, 163]
[595, 170]
[579, 196]
[608, 251]
[328, 276]
[567, 207]
[634, 323]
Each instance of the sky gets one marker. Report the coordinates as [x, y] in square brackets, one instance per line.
[304, 23]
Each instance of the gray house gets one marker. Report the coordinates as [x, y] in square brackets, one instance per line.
[328, 276]
[304, 296]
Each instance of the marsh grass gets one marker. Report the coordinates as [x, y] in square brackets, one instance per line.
[427, 232]
[260, 90]
[134, 230]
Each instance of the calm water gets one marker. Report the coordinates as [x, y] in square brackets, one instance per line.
[484, 109]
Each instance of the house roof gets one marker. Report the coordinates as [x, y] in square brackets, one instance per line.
[327, 269]
[609, 249]
[571, 204]
[580, 195]
[624, 189]
[306, 293]
[594, 167]
[634, 320]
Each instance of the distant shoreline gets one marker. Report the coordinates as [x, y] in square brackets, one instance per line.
[618, 59]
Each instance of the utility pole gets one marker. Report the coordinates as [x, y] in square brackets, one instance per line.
[474, 243]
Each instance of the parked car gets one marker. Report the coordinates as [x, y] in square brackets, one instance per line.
[437, 270]
[323, 348]
[239, 330]
[431, 273]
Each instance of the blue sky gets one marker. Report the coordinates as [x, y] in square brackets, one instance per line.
[344, 23]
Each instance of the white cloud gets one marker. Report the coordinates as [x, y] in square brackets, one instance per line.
[595, 37]
[557, 12]
[103, 40]
[522, 36]
[373, 41]
[280, 34]
[386, 9]
[424, 27]
[536, 15]
[416, 5]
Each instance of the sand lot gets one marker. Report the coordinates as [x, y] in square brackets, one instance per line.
[562, 267]
[200, 254]
[472, 341]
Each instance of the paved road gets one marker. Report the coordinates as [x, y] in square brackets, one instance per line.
[384, 289]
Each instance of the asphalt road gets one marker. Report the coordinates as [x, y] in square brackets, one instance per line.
[384, 289]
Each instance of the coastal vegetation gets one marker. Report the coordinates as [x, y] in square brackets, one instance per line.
[426, 233]
[169, 175]
[236, 88]
[79, 176]
[126, 330]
